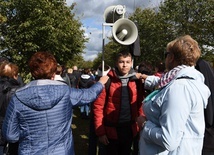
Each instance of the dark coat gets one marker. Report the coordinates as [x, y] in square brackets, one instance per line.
[7, 89]
[205, 68]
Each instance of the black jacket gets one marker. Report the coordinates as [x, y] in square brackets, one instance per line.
[205, 68]
[7, 88]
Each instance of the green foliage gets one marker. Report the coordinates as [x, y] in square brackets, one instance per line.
[40, 25]
[193, 17]
[173, 18]
[78, 60]
[110, 51]
[151, 42]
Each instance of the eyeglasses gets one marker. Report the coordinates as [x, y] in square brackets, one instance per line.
[166, 53]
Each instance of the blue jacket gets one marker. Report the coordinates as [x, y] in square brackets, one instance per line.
[175, 116]
[39, 116]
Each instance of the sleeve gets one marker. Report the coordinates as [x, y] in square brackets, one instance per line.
[98, 110]
[85, 96]
[151, 82]
[175, 111]
[10, 127]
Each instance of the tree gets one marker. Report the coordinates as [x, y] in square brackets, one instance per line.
[173, 18]
[110, 51]
[40, 25]
[78, 61]
[193, 17]
[149, 30]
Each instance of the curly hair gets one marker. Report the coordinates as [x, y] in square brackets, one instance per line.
[43, 65]
[185, 50]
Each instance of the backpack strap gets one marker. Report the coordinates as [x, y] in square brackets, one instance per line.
[107, 85]
[185, 77]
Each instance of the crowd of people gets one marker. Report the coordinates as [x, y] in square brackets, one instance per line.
[166, 109]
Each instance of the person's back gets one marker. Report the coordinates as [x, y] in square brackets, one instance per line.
[85, 81]
[8, 85]
[51, 117]
[205, 68]
[74, 77]
[39, 115]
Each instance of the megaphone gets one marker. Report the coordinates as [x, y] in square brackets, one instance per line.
[113, 13]
[124, 31]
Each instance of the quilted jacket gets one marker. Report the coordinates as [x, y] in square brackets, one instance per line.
[39, 116]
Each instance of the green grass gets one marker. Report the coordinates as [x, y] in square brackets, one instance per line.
[80, 129]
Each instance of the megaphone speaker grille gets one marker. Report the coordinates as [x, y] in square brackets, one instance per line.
[124, 31]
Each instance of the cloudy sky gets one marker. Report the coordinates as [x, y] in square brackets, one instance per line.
[91, 13]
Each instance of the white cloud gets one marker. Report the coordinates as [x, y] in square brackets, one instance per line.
[91, 14]
[94, 44]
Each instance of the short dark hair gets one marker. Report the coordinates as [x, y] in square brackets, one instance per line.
[145, 68]
[160, 67]
[86, 71]
[124, 53]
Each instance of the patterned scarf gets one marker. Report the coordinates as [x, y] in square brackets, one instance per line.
[169, 76]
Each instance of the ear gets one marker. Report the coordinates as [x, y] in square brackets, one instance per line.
[173, 63]
[171, 58]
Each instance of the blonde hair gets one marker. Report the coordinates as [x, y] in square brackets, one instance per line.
[70, 70]
[9, 70]
[185, 50]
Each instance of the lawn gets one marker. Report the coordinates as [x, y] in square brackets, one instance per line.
[80, 128]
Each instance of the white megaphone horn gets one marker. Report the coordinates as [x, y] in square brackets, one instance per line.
[113, 13]
[124, 31]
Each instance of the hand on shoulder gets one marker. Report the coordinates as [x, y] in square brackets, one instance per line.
[104, 79]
